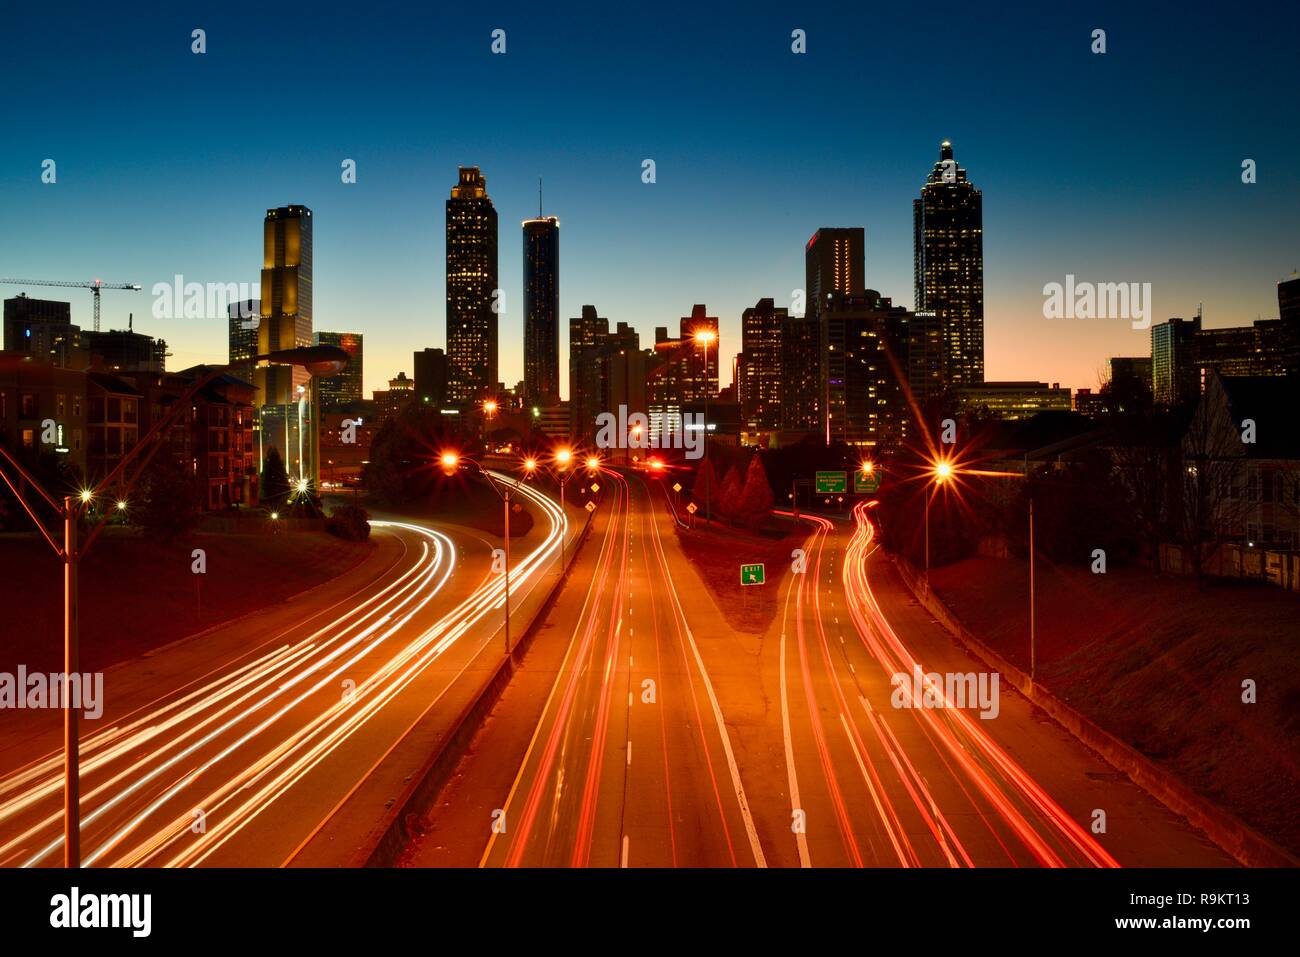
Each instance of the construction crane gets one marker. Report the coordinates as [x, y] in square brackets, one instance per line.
[94, 285]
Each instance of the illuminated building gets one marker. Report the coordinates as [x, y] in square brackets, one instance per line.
[758, 379]
[471, 285]
[542, 310]
[345, 387]
[286, 302]
[948, 251]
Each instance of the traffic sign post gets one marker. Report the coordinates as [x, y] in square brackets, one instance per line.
[867, 483]
[832, 483]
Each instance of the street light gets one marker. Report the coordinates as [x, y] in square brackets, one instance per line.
[562, 458]
[704, 337]
[450, 462]
[318, 360]
[941, 472]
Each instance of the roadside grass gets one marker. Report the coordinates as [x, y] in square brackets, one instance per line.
[137, 595]
[1161, 665]
[717, 552]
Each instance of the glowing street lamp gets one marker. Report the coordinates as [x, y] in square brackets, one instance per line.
[704, 337]
[941, 471]
[451, 461]
[593, 464]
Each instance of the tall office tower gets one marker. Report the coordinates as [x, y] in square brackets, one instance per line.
[925, 379]
[758, 380]
[698, 361]
[345, 387]
[1173, 371]
[431, 377]
[542, 310]
[801, 396]
[42, 327]
[948, 254]
[834, 262]
[286, 301]
[864, 365]
[471, 288]
[1288, 310]
[587, 336]
[242, 321]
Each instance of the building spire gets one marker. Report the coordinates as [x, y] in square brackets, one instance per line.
[945, 150]
[539, 197]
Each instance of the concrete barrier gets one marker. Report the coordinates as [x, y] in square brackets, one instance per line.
[1233, 835]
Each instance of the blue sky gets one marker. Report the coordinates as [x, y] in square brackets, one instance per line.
[1117, 167]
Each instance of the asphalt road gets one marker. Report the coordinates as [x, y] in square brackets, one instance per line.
[235, 747]
[643, 732]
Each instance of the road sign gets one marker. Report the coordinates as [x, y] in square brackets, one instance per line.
[751, 574]
[590, 506]
[691, 508]
[832, 483]
[595, 487]
[867, 482]
[677, 486]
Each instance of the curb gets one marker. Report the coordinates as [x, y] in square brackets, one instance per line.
[399, 825]
[1234, 836]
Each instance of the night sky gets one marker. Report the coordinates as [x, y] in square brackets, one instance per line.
[1117, 167]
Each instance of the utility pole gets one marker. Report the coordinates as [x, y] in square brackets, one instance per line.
[1033, 651]
[71, 731]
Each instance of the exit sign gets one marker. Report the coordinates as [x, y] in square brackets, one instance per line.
[751, 574]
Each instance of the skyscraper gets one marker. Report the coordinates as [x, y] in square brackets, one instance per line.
[801, 395]
[698, 368]
[345, 387]
[286, 301]
[431, 377]
[242, 321]
[471, 288]
[948, 251]
[834, 262]
[865, 344]
[758, 382]
[542, 310]
[587, 336]
[42, 327]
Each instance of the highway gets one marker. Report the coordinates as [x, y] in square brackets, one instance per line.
[643, 732]
[235, 748]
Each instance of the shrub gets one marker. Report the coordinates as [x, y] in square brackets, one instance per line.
[350, 522]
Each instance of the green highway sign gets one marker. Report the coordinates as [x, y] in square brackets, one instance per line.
[832, 483]
[751, 574]
[867, 482]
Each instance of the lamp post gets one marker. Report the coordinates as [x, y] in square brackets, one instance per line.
[704, 337]
[450, 462]
[315, 358]
[941, 472]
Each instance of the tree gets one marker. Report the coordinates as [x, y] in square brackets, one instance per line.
[171, 498]
[705, 487]
[756, 496]
[729, 496]
[401, 467]
[274, 486]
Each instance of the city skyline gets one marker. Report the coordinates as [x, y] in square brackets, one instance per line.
[722, 221]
